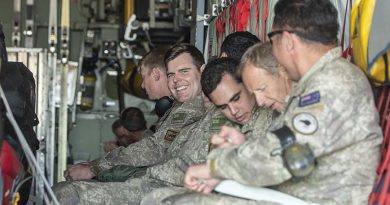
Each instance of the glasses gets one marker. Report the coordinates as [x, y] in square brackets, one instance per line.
[273, 33]
[314, 38]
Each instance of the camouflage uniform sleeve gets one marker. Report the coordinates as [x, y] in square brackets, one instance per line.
[250, 164]
[142, 153]
[244, 163]
[193, 151]
[151, 150]
[343, 115]
[147, 133]
[172, 170]
[329, 113]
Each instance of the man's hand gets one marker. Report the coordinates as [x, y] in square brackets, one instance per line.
[79, 171]
[109, 146]
[198, 179]
[228, 137]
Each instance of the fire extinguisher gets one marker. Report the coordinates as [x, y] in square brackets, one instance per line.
[88, 92]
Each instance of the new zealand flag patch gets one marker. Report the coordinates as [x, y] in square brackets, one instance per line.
[309, 99]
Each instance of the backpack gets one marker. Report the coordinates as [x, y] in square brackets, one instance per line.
[371, 50]
[18, 84]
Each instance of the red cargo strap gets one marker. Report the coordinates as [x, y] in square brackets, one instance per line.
[256, 5]
[265, 17]
[232, 17]
[11, 167]
[380, 194]
[220, 24]
[243, 13]
[347, 53]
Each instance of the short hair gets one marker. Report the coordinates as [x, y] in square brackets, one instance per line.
[197, 56]
[153, 59]
[215, 70]
[235, 44]
[133, 119]
[116, 124]
[261, 57]
[311, 20]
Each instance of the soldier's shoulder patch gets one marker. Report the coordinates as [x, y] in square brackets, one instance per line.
[309, 99]
[170, 135]
[305, 123]
[217, 122]
[178, 118]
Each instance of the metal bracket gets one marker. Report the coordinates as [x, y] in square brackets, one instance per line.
[218, 9]
[132, 24]
[225, 3]
[214, 11]
[126, 51]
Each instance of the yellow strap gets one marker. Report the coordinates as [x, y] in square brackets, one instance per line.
[354, 12]
[16, 199]
[361, 15]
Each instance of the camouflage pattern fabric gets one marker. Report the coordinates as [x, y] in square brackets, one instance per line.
[156, 196]
[260, 121]
[120, 173]
[88, 192]
[332, 110]
[212, 199]
[179, 195]
[237, 163]
[190, 147]
[166, 114]
[151, 150]
[148, 133]
[347, 137]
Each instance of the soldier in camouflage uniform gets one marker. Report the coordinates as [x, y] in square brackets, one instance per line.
[153, 72]
[183, 63]
[331, 109]
[234, 93]
[194, 150]
[218, 76]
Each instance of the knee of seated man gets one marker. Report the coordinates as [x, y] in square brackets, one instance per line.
[66, 193]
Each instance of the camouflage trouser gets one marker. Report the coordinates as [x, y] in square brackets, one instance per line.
[92, 192]
[175, 196]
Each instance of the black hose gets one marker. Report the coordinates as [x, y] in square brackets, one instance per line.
[3, 50]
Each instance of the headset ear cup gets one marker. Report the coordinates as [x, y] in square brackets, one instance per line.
[163, 104]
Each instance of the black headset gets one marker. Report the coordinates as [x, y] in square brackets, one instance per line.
[163, 104]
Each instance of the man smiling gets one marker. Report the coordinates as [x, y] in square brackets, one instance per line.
[226, 90]
[149, 151]
[183, 75]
